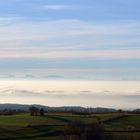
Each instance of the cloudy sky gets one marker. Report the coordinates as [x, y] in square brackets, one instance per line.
[70, 39]
[90, 48]
[112, 94]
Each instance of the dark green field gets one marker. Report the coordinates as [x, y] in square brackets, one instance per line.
[52, 126]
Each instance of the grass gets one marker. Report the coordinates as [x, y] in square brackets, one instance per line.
[24, 120]
[28, 133]
[129, 123]
[25, 127]
[21, 120]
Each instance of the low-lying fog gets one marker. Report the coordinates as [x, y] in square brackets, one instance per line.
[116, 94]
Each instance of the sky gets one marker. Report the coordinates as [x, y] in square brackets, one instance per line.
[109, 94]
[70, 52]
[70, 39]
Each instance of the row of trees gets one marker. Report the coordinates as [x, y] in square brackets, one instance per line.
[11, 111]
[34, 111]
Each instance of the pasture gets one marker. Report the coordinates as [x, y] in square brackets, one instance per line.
[52, 125]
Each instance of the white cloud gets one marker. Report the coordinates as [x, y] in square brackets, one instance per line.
[97, 93]
[44, 54]
[70, 39]
[54, 98]
[58, 7]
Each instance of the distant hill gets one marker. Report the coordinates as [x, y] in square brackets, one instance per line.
[56, 109]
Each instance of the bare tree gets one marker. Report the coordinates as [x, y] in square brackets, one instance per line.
[33, 111]
[41, 112]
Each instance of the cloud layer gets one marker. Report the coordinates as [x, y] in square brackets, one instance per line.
[90, 98]
[38, 36]
[70, 39]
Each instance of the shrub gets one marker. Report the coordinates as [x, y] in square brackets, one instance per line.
[78, 130]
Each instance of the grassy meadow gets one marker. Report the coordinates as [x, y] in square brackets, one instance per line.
[52, 126]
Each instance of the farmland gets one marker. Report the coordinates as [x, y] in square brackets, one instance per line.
[52, 125]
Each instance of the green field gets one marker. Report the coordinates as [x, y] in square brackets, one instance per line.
[51, 126]
[132, 122]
